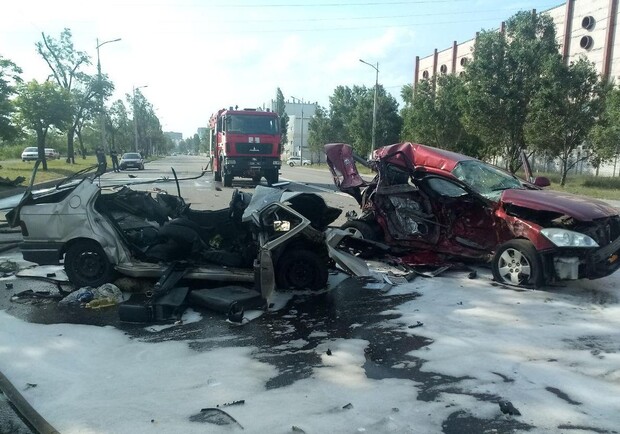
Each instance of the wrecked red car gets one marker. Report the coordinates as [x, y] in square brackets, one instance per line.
[432, 205]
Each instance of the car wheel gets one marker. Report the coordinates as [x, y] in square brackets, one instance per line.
[516, 262]
[301, 269]
[256, 179]
[228, 178]
[86, 264]
[217, 176]
[291, 164]
[141, 167]
[360, 229]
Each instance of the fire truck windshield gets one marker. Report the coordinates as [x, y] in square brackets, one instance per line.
[248, 124]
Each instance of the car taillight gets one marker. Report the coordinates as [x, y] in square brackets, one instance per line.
[22, 225]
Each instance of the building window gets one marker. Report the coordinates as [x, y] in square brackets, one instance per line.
[443, 69]
[586, 42]
[425, 74]
[587, 22]
[464, 61]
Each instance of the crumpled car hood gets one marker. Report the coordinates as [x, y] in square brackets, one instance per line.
[579, 207]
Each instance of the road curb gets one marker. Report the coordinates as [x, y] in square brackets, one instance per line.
[24, 408]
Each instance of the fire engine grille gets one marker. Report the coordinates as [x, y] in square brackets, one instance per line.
[254, 148]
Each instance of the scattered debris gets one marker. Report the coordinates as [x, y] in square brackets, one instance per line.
[11, 182]
[349, 406]
[8, 285]
[30, 386]
[418, 324]
[472, 275]
[107, 294]
[228, 404]
[8, 267]
[328, 352]
[295, 428]
[31, 294]
[507, 408]
[214, 416]
[433, 273]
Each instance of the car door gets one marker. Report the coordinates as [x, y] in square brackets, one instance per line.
[465, 219]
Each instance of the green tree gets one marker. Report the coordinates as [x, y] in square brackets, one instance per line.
[86, 91]
[281, 110]
[342, 103]
[121, 133]
[502, 79]
[433, 117]
[564, 110]
[605, 135]
[41, 107]
[9, 80]
[389, 122]
[319, 131]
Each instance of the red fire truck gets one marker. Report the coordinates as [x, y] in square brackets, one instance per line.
[245, 143]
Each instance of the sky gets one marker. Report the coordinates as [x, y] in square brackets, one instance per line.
[197, 56]
[553, 353]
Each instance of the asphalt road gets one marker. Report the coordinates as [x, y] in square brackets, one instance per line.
[348, 310]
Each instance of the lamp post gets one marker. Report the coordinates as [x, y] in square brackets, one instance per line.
[301, 142]
[374, 106]
[135, 118]
[102, 114]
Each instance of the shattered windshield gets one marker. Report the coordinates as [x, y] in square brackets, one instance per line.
[486, 180]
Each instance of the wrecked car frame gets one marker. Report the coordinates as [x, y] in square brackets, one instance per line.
[272, 237]
[430, 204]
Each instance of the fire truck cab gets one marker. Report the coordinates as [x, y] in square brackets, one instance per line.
[245, 143]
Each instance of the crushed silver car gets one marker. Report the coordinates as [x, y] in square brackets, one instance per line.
[271, 237]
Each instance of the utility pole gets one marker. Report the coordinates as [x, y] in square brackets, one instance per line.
[374, 106]
[99, 78]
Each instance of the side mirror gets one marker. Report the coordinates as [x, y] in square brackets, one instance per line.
[542, 181]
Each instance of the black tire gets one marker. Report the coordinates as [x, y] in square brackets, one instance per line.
[517, 263]
[291, 164]
[217, 176]
[256, 179]
[228, 178]
[272, 176]
[86, 264]
[360, 229]
[141, 167]
[301, 269]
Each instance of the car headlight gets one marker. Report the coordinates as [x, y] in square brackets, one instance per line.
[564, 238]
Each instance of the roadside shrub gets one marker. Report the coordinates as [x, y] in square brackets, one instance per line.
[602, 182]
[10, 152]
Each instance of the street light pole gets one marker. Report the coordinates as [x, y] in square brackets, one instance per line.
[301, 144]
[135, 118]
[102, 114]
[374, 106]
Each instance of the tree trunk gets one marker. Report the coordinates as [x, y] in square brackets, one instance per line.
[41, 147]
[564, 172]
[70, 147]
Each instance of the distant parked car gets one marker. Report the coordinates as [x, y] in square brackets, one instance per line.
[30, 154]
[296, 161]
[52, 154]
[131, 159]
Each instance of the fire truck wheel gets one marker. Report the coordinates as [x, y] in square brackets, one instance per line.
[256, 179]
[217, 176]
[228, 180]
[272, 177]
